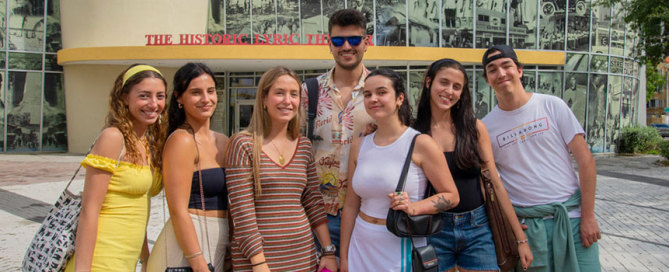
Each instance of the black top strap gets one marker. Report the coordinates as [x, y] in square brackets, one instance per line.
[312, 90]
[405, 170]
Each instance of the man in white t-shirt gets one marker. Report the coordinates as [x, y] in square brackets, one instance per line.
[532, 136]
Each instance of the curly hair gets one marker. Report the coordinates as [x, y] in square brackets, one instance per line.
[119, 117]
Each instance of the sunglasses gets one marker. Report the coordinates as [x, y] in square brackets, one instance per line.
[338, 41]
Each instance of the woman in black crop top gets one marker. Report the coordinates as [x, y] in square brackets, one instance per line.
[445, 111]
[195, 236]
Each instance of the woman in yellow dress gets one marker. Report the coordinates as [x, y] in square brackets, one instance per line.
[111, 234]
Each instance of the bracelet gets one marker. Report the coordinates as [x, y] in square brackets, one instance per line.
[142, 261]
[522, 241]
[263, 262]
[191, 256]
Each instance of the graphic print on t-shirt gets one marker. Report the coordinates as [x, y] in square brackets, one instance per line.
[522, 133]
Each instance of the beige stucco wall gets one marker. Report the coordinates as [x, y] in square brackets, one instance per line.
[97, 23]
[87, 90]
[93, 23]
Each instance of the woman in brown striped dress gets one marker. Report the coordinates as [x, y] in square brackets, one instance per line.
[272, 185]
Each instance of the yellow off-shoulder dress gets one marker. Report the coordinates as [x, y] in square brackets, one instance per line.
[123, 216]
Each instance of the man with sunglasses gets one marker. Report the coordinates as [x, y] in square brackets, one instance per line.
[340, 115]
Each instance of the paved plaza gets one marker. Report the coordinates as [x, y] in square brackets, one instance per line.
[632, 207]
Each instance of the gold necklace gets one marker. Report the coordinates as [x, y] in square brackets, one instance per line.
[281, 159]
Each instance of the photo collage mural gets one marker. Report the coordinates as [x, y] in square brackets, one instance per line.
[32, 97]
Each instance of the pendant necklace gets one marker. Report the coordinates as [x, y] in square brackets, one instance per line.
[281, 159]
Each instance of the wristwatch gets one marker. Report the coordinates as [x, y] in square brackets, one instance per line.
[328, 250]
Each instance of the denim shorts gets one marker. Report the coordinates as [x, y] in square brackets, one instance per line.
[466, 240]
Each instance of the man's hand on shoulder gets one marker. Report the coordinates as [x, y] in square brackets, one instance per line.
[590, 232]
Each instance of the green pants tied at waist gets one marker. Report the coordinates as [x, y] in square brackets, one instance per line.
[564, 252]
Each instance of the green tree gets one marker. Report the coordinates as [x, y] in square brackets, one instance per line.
[650, 19]
[654, 81]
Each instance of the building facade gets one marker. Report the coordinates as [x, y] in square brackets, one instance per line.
[580, 53]
[657, 109]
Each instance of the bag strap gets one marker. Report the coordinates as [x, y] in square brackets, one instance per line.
[204, 212]
[118, 161]
[199, 172]
[405, 170]
[312, 90]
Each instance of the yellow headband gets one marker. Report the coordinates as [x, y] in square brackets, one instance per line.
[136, 69]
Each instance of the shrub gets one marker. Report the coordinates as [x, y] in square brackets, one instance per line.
[639, 139]
[663, 148]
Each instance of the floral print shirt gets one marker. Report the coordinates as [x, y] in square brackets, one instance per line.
[335, 127]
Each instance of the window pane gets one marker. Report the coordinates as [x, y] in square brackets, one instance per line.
[551, 24]
[490, 23]
[579, 25]
[26, 25]
[597, 112]
[550, 83]
[523, 31]
[54, 128]
[53, 41]
[3, 104]
[51, 63]
[601, 22]
[424, 23]
[629, 41]
[288, 14]
[457, 23]
[613, 117]
[629, 67]
[618, 30]
[216, 21]
[218, 123]
[3, 28]
[2, 60]
[529, 79]
[312, 21]
[24, 98]
[329, 8]
[415, 87]
[264, 20]
[575, 95]
[627, 100]
[482, 97]
[238, 18]
[367, 8]
[616, 65]
[577, 62]
[25, 61]
[391, 22]
[599, 63]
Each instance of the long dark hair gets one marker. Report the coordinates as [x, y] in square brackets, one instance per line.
[466, 153]
[183, 77]
[404, 112]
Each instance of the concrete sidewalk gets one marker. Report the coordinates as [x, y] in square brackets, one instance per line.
[632, 207]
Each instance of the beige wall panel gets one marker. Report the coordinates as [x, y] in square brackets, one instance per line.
[87, 90]
[93, 23]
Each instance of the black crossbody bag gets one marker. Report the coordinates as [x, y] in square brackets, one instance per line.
[403, 225]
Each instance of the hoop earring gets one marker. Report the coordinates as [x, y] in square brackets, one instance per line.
[179, 105]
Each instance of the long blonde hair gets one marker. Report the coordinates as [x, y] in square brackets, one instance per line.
[119, 117]
[260, 122]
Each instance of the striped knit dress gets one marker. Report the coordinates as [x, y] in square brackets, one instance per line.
[279, 223]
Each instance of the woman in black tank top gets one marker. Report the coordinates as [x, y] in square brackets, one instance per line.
[445, 111]
[196, 235]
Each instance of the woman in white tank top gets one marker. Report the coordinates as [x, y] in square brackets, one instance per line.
[375, 164]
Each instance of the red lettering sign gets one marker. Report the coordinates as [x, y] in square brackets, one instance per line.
[240, 39]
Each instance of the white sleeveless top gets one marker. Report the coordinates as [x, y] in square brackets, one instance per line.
[378, 171]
